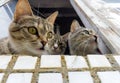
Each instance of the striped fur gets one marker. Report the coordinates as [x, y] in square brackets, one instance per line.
[20, 40]
[82, 41]
[57, 45]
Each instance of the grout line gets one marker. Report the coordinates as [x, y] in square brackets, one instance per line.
[95, 76]
[23, 71]
[53, 70]
[113, 62]
[9, 68]
[64, 70]
[35, 76]
[92, 72]
[2, 70]
[78, 69]
[102, 69]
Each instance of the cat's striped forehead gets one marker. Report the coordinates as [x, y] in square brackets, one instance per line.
[38, 22]
[82, 32]
[91, 31]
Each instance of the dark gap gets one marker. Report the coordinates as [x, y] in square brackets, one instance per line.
[64, 19]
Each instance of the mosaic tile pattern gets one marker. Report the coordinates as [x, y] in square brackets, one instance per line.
[109, 77]
[60, 69]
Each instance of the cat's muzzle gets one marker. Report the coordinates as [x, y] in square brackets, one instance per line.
[43, 45]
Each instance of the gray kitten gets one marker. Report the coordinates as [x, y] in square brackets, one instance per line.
[57, 45]
[82, 41]
[28, 33]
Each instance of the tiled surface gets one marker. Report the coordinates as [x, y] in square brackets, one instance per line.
[1, 76]
[77, 77]
[75, 62]
[19, 78]
[50, 78]
[117, 58]
[60, 69]
[25, 62]
[50, 61]
[4, 60]
[98, 61]
[109, 77]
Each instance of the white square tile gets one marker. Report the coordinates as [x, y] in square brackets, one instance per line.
[50, 78]
[98, 61]
[50, 61]
[25, 62]
[117, 58]
[4, 61]
[109, 76]
[77, 77]
[1, 76]
[19, 78]
[75, 62]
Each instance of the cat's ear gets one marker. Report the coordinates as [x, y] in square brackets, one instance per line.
[65, 36]
[74, 26]
[52, 17]
[22, 8]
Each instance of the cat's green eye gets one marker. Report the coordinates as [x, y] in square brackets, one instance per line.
[85, 31]
[61, 44]
[49, 35]
[32, 30]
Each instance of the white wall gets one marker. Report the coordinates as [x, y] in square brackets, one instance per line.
[4, 22]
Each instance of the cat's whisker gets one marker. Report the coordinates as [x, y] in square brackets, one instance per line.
[38, 12]
[75, 59]
[85, 48]
[38, 9]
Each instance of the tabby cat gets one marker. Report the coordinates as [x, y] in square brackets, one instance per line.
[82, 41]
[57, 45]
[28, 33]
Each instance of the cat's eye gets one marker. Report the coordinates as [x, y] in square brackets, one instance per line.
[85, 31]
[49, 35]
[32, 30]
[60, 44]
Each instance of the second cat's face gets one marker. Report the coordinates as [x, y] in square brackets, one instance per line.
[56, 46]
